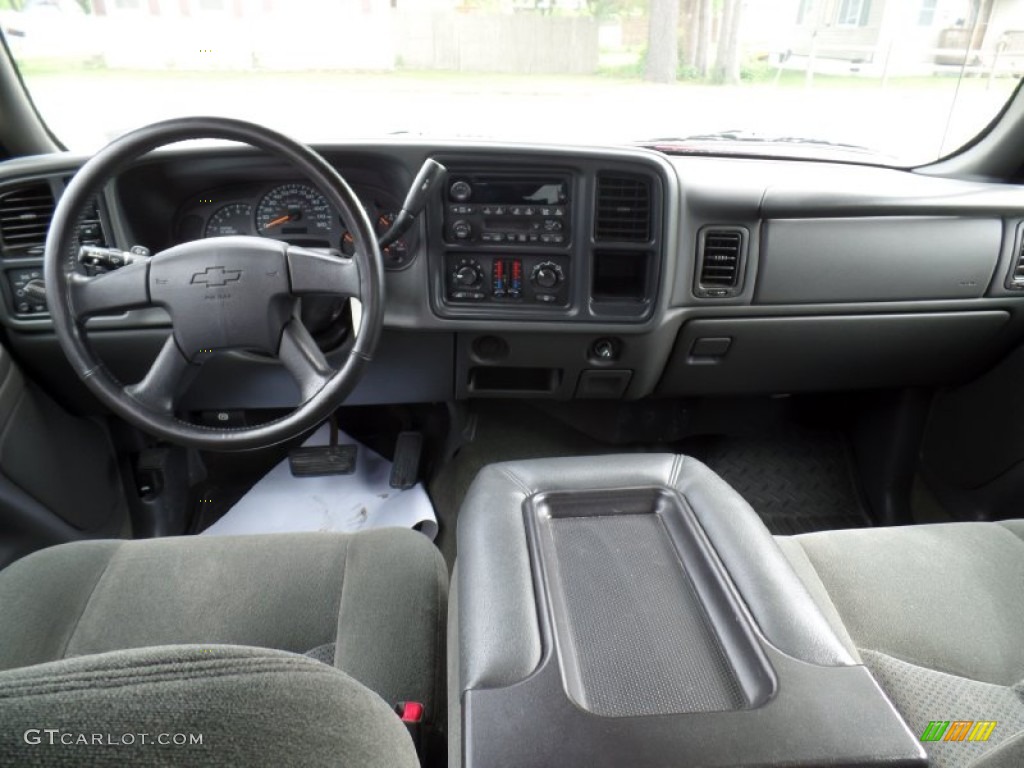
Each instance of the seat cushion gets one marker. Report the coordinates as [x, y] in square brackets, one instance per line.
[937, 613]
[378, 596]
[191, 705]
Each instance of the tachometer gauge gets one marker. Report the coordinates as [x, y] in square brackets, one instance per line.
[397, 254]
[233, 219]
[294, 209]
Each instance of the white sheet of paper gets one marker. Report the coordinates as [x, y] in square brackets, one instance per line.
[281, 502]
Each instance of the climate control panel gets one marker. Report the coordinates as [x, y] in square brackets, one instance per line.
[509, 279]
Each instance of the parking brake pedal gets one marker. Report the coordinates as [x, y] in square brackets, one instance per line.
[405, 469]
[321, 460]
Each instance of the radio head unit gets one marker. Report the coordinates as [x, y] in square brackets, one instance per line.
[485, 209]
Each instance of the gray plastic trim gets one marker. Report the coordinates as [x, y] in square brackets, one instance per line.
[877, 259]
[829, 353]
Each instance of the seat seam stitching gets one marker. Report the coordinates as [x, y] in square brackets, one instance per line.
[943, 671]
[154, 678]
[88, 602]
[440, 687]
[677, 468]
[1018, 538]
[516, 480]
[341, 601]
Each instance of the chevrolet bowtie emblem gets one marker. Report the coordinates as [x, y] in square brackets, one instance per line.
[216, 277]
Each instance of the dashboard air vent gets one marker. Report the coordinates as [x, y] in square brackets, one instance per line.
[1016, 278]
[25, 214]
[720, 258]
[623, 209]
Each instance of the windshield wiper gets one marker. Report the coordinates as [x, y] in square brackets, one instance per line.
[747, 137]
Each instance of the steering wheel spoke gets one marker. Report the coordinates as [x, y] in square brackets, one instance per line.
[123, 289]
[303, 359]
[167, 376]
[317, 272]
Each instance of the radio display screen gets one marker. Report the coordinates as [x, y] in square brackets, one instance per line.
[507, 192]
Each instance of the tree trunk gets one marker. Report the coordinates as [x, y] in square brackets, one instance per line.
[689, 17]
[727, 60]
[704, 24]
[663, 41]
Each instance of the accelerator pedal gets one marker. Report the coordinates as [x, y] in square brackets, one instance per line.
[321, 460]
[405, 469]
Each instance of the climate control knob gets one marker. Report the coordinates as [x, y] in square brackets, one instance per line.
[467, 274]
[546, 275]
[462, 229]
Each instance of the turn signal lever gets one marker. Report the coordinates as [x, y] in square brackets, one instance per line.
[428, 177]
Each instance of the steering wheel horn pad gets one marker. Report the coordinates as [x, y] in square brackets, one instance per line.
[222, 294]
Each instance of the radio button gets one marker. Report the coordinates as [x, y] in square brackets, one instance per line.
[462, 229]
[460, 191]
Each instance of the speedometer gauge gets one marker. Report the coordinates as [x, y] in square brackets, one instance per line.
[234, 219]
[293, 209]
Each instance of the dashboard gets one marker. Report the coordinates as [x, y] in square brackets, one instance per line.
[570, 272]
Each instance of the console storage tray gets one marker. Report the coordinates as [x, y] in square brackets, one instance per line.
[645, 623]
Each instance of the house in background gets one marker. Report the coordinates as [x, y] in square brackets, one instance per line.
[907, 37]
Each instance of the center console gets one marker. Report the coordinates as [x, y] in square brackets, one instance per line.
[633, 610]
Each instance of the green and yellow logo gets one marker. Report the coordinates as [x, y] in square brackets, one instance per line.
[959, 730]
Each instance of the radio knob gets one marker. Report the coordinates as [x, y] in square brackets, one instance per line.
[546, 275]
[467, 276]
[460, 191]
[462, 229]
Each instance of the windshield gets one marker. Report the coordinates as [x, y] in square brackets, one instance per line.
[887, 81]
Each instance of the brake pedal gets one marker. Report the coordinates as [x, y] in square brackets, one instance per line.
[405, 469]
[320, 460]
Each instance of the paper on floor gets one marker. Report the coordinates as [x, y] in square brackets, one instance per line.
[280, 503]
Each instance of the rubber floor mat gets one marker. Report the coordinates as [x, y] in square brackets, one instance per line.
[797, 482]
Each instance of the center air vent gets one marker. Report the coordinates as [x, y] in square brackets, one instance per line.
[623, 209]
[25, 214]
[720, 259]
[1015, 280]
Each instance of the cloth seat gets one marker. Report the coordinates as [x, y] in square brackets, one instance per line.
[371, 604]
[937, 613]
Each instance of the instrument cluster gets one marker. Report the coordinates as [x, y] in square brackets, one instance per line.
[293, 211]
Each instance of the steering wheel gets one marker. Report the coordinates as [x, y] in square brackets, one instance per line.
[225, 293]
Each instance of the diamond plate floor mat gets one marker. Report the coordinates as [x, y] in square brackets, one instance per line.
[797, 482]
